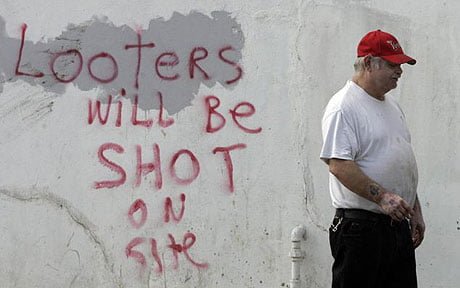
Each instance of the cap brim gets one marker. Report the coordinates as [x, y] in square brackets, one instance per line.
[400, 59]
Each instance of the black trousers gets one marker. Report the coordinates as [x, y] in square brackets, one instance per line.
[371, 251]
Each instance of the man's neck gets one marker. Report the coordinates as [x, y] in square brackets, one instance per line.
[362, 82]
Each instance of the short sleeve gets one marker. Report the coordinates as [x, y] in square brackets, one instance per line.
[339, 139]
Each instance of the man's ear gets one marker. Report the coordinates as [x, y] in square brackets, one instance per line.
[367, 62]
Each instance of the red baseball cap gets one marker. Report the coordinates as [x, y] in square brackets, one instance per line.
[384, 45]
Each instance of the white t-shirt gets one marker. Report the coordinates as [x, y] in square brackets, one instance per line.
[373, 134]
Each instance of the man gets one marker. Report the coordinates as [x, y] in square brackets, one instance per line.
[373, 174]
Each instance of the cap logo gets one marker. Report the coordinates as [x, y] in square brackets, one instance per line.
[394, 45]
[384, 45]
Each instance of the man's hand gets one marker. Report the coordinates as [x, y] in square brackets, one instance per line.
[417, 225]
[395, 206]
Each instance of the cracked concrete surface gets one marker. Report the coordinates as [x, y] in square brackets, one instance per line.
[23, 212]
[295, 55]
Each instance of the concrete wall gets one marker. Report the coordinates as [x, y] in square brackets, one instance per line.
[80, 205]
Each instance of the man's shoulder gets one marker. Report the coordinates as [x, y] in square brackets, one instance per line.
[341, 100]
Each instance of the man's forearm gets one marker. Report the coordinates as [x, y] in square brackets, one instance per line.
[352, 177]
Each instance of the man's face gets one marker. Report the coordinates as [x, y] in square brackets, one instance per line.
[385, 77]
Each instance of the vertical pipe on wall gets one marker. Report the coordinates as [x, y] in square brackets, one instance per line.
[297, 255]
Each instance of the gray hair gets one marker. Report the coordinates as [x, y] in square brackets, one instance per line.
[376, 62]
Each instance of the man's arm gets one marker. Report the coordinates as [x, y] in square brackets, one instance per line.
[417, 224]
[352, 177]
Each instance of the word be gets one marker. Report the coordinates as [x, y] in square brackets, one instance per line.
[212, 103]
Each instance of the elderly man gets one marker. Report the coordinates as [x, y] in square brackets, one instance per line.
[373, 174]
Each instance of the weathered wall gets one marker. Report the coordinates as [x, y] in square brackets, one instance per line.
[208, 156]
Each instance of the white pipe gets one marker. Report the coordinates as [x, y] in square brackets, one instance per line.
[298, 234]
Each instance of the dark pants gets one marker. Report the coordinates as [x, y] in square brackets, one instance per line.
[371, 251]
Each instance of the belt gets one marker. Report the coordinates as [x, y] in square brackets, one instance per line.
[364, 215]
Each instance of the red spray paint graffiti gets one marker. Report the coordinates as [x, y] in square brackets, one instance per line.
[97, 78]
[212, 103]
[173, 61]
[228, 161]
[166, 67]
[176, 249]
[96, 111]
[139, 204]
[145, 168]
[165, 59]
[111, 165]
[238, 68]
[171, 213]
[168, 209]
[154, 166]
[64, 54]
[195, 167]
[188, 241]
[139, 47]
[21, 49]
